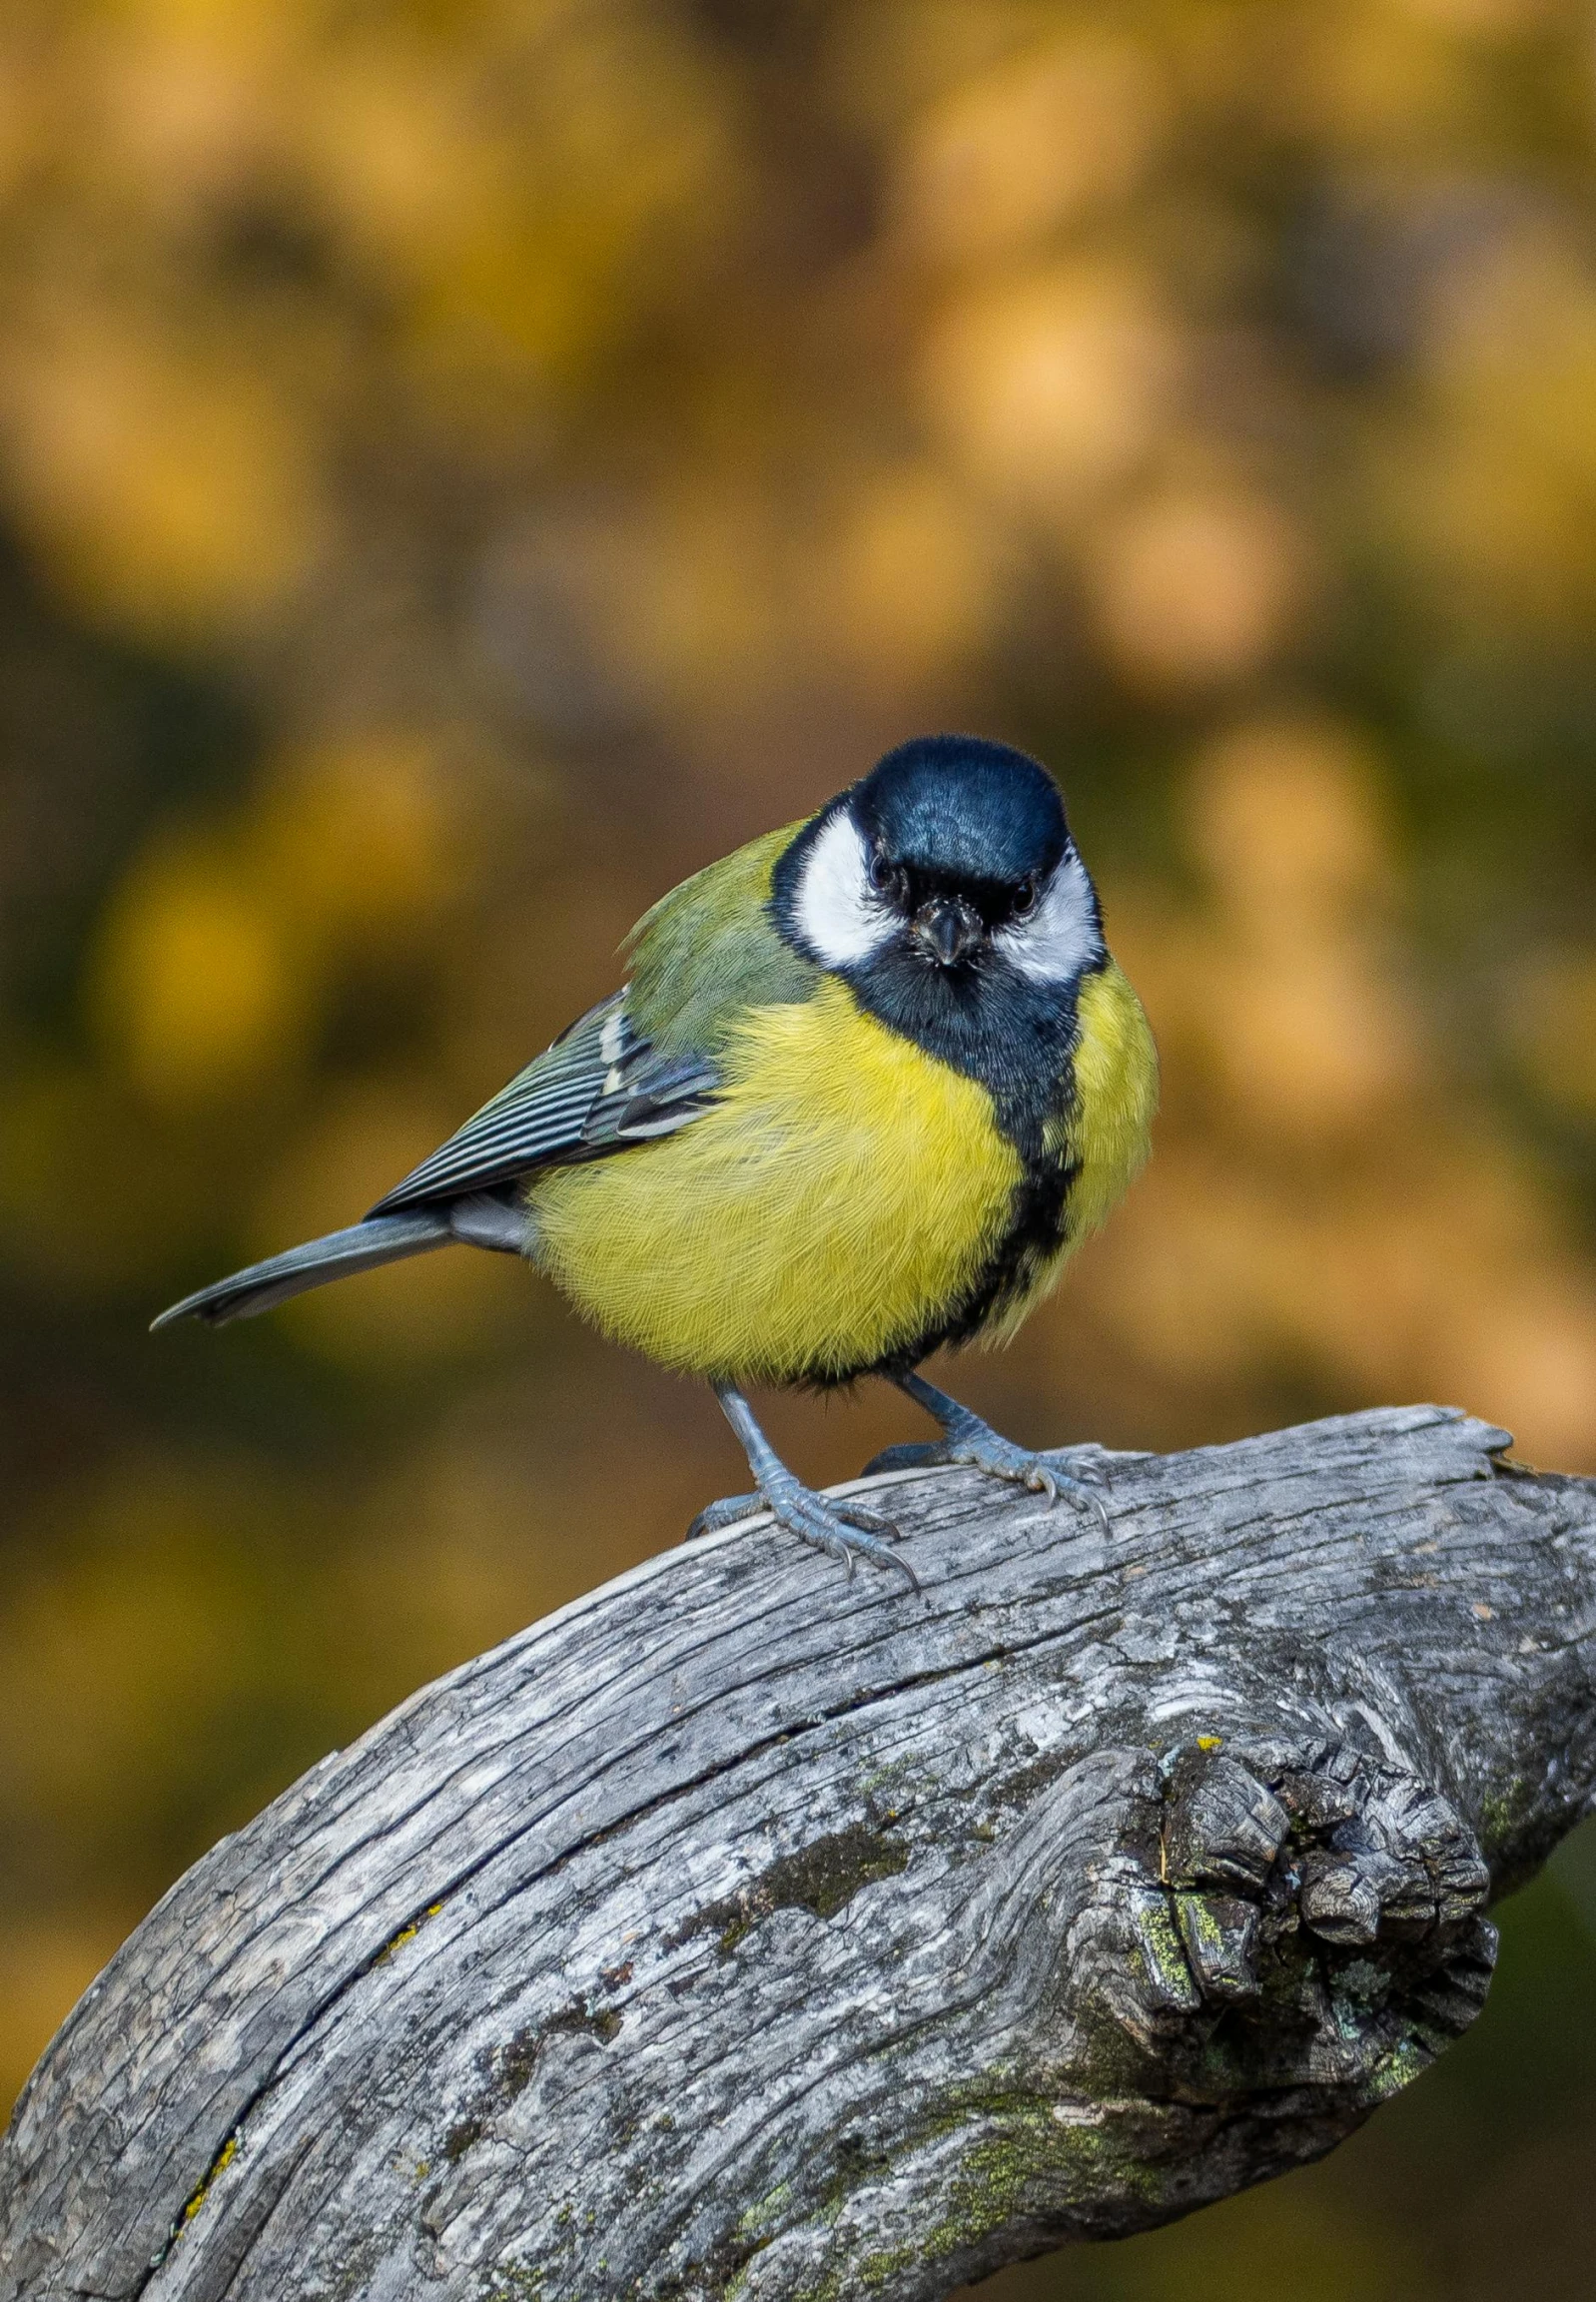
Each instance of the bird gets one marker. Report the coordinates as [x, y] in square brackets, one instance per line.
[869, 1082]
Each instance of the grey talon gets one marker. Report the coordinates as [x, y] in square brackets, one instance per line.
[725, 1513]
[968, 1440]
[845, 1531]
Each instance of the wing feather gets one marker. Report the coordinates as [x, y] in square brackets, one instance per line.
[598, 1089]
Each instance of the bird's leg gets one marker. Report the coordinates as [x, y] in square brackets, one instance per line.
[845, 1530]
[967, 1439]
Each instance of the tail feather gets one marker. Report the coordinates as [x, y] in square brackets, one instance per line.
[381, 1240]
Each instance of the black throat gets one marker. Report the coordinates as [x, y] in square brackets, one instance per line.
[985, 1019]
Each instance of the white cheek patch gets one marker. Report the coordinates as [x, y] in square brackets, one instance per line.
[1062, 935]
[835, 908]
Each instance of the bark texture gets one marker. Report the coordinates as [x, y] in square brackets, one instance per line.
[744, 1930]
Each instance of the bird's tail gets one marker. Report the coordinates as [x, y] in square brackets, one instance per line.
[381, 1239]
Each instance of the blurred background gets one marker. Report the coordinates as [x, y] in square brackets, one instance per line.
[462, 466]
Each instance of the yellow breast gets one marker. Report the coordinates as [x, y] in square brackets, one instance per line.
[1109, 1131]
[844, 1189]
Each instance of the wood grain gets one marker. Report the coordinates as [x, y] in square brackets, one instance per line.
[744, 1930]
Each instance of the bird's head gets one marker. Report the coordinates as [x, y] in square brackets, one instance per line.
[948, 867]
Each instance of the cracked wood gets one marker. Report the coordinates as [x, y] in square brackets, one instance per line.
[741, 1930]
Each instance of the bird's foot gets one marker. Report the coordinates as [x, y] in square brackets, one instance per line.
[845, 1530]
[726, 1513]
[971, 1443]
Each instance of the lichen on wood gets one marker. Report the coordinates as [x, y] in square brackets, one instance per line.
[742, 1930]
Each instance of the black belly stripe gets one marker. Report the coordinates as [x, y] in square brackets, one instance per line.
[1037, 1228]
[1018, 1039]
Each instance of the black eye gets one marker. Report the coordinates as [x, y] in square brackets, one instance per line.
[1026, 897]
[882, 876]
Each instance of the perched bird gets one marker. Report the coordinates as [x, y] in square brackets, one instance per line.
[872, 1079]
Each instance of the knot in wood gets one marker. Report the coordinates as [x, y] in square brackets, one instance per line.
[1294, 1911]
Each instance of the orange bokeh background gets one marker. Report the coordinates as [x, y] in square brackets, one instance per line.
[461, 466]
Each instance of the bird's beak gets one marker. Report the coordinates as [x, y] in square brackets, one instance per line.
[948, 927]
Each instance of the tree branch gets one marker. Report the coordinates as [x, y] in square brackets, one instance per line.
[744, 1930]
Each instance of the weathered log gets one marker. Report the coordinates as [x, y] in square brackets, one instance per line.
[746, 1930]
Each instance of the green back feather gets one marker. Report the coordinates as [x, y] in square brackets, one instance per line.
[709, 950]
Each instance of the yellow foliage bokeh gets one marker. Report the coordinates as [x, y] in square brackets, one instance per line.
[194, 987]
[462, 469]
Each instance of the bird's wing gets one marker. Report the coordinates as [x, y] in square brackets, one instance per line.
[600, 1088]
[703, 956]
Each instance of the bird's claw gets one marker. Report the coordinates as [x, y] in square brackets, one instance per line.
[1042, 1481]
[998, 1458]
[844, 1530]
[725, 1513]
[1089, 1496]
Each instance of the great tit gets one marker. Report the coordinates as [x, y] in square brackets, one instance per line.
[871, 1081]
